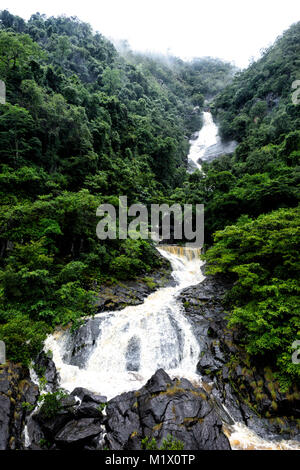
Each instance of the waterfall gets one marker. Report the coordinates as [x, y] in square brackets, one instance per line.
[136, 341]
[208, 144]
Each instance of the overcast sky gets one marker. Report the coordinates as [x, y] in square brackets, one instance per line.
[234, 30]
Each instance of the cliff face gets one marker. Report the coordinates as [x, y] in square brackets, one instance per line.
[17, 395]
[165, 407]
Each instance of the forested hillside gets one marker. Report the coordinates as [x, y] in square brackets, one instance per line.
[82, 125]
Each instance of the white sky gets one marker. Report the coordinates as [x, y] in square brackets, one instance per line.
[234, 30]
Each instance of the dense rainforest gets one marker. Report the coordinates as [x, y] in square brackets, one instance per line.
[82, 125]
[85, 123]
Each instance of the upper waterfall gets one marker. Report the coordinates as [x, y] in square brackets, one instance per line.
[208, 144]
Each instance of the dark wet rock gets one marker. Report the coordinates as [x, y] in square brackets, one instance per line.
[247, 388]
[158, 382]
[18, 394]
[91, 404]
[5, 410]
[89, 410]
[81, 342]
[75, 421]
[37, 437]
[78, 432]
[208, 364]
[133, 353]
[86, 395]
[68, 402]
[51, 425]
[44, 367]
[52, 419]
[164, 407]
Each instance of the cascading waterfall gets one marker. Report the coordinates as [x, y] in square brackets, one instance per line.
[207, 137]
[136, 341]
[133, 343]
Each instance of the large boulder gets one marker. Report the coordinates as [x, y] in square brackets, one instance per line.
[52, 420]
[68, 421]
[87, 396]
[91, 404]
[78, 432]
[165, 407]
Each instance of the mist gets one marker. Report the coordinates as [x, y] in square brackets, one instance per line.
[232, 30]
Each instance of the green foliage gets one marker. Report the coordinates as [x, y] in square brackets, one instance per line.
[45, 444]
[51, 403]
[257, 107]
[16, 50]
[23, 337]
[169, 443]
[27, 406]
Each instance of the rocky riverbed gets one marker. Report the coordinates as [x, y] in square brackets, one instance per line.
[234, 390]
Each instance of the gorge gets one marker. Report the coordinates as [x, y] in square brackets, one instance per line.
[127, 343]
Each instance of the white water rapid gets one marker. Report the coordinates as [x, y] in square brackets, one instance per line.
[136, 341]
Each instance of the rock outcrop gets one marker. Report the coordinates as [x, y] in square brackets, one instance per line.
[133, 292]
[44, 367]
[18, 395]
[162, 408]
[68, 421]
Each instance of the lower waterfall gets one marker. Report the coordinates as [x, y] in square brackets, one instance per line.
[136, 341]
